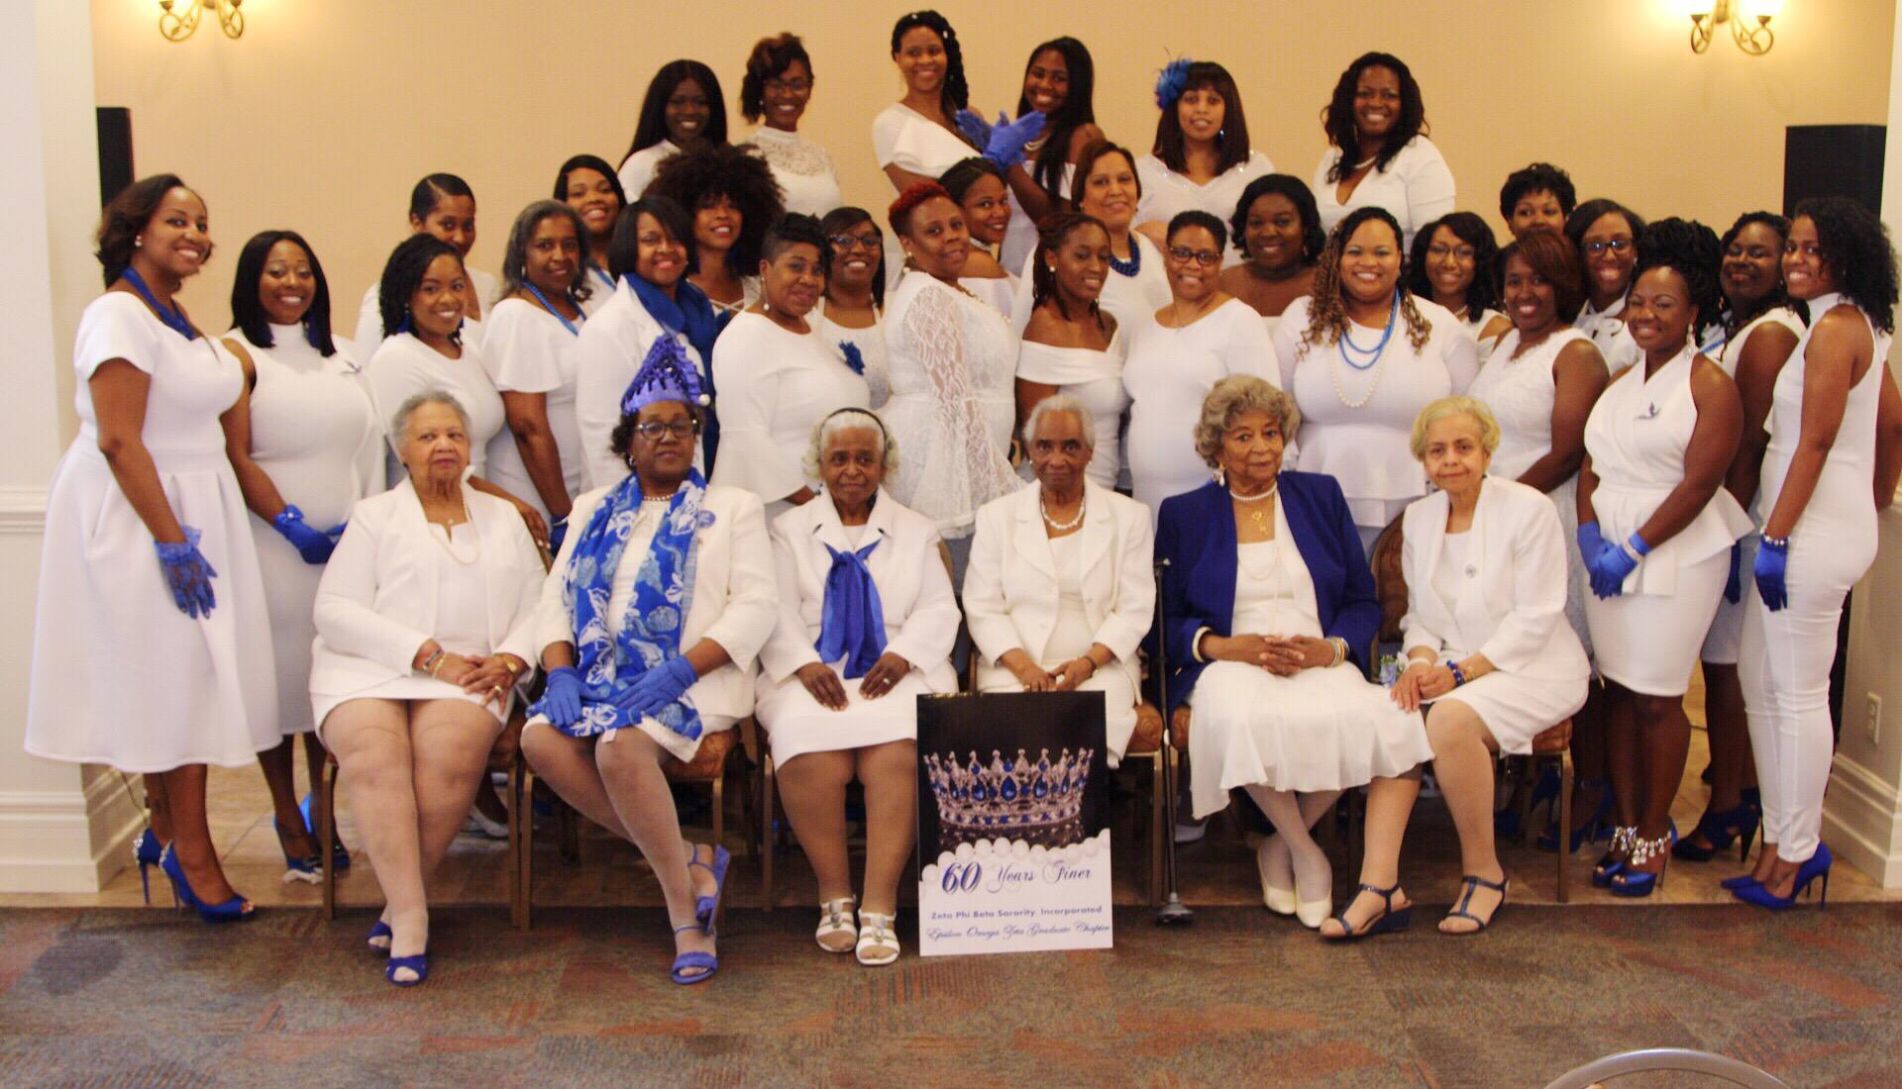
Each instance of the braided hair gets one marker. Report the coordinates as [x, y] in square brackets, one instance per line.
[954, 93]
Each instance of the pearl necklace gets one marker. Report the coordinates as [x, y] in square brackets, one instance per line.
[1061, 527]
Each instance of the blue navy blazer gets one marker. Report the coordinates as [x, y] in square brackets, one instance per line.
[1196, 534]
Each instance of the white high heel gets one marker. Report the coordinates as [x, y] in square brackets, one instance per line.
[1278, 900]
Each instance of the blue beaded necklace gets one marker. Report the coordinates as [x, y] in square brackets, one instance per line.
[1372, 355]
[1135, 263]
[173, 317]
[543, 299]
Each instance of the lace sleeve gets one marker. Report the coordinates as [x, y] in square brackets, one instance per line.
[959, 469]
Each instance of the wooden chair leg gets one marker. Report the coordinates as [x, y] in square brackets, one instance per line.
[769, 844]
[1565, 818]
[521, 840]
[327, 834]
[525, 859]
[570, 830]
[719, 808]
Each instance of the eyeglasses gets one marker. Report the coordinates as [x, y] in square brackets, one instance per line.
[788, 86]
[1441, 250]
[1200, 257]
[652, 430]
[844, 242]
[1615, 245]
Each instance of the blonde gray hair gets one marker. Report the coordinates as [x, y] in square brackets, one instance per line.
[1232, 396]
[436, 395]
[849, 419]
[1454, 406]
[1055, 403]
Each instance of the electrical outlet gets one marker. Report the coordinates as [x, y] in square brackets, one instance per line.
[1872, 718]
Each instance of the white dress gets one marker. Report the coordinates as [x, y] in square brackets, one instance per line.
[638, 169]
[1521, 393]
[1168, 374]
[1607, 330]
[529, 350]
[1416, 187]
[999, 291]
[1020, 237]
[953, 363]
[904, 138]
[1093, 378]
[370, 315]
[120, 675]
[777, 386]
[1647, 637]
[1129, 298]
[807, 181]
[1321, 729]
[1355, 424]
[405, 366]
[1167, 193]
[870, 343]
[315, 432]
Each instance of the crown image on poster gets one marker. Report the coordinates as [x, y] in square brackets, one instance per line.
[1038, 802]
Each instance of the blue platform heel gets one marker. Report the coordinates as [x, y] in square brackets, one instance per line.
[1613, 860]
[1817, 865]
[1630, 881]
[235, 910]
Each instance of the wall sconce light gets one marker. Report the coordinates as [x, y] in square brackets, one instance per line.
[1749, 23]
[177, 25]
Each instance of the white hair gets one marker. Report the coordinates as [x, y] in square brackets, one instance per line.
[850, 419]
[1059, 402]
[436, 395]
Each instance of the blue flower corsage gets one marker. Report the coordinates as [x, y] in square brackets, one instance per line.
[854, 358]
[1171, 81]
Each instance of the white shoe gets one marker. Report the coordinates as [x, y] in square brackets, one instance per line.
[1191, 831]
[837, 932]
[878, 942]
[480, 825]
[1278, 900]
[1310, 913]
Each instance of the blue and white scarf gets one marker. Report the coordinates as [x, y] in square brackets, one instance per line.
[650, 633]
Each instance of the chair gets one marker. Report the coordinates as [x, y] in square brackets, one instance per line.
[506, 757]
[1677, 1059]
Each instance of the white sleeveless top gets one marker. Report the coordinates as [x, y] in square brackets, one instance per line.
[1842, 499]
[1776, 315]
[1521, 393]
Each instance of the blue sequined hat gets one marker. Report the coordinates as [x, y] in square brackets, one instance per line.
[667, 374]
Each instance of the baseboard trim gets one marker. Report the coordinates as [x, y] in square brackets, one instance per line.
[1862, 820]
[67, 841]
[23, 511]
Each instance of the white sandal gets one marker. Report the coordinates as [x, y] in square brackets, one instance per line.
[837, 932]
[878, 942]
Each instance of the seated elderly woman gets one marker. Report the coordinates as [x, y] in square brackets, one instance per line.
[863, 597]
[1268, 604]
[1059, 592]
[649, 621]
[1488, 653]
[425, 621]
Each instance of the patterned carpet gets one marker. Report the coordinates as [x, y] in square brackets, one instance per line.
[146, 998]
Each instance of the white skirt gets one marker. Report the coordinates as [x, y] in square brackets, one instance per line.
[1119, 705]
[410, 687]
[1649, 643]
[796, 724]
[1321, 729]
[1516, 708]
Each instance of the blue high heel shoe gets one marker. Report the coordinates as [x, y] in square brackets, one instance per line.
[146, 851]
[1389, 921]
[1608, 864]
[1817, 865]
[1630, 881]
[380, 935]
[340, 856]
[1590, 830]
[308, 870]
[706, 907]
[706, 963]
[1719, 829]
[418, 964]
[235, 910]
[1742, 880]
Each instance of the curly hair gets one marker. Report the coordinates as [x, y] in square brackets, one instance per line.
[1232, 396]
[1553, 259]
[1078, 109]
[1327, 313]
[1737, 316]
[1055, 229]
[515, 257]
[1338, 117]
[125, 219]
[769, 59]
[695, 179]
[403, 274]
[1313, 238]
[1537, 178]
[842, 219]
[247, 313]
[1231, 143]
[1483, 293]
[1435, 411]
[1689, 249]
[899, 214]
[1858, 253]
[651, 127]
[954, 93]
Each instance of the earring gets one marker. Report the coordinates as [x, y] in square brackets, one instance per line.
[1221, 476]
[138, 242]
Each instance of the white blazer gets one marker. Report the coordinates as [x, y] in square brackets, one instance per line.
[1010, 586]
[1516, 553]
[914, 589]
[376, 603]
[732, 593]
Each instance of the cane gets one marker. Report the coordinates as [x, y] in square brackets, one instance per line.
[1173, 911]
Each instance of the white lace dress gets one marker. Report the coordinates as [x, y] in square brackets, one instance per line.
[802, 169]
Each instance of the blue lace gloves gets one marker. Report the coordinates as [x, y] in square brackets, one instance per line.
[313, 544]
[188, 574]
[660, 686]
[561, 696]
[1612, 563]
[1733, 584]
[1773, 561]
[1003, 143]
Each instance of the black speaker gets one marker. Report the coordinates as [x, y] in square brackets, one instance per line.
[1833, 161]
[115, 151]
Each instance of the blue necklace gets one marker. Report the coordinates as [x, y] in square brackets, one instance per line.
[543, 299]
[173, 317]
[1372, 355]
[1135, 263]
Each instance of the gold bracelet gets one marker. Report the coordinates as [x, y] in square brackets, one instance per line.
[437, 668]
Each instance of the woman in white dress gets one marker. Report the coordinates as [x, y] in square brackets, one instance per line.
[1201, 160]
[1177, 355]
[1060, 84]
[1536, 196]
[733, 198]
[1378, 153]
[1270, 608]
[1277, 230]
[444, 206]
[1362, 356]
[151, 667]
[425, 623]
[1108, 189]
[978, 186]
[781, 377]
[1605, 234]
[952, 359]
[588, 184]
[649, 623]
[866, 623]
[774, 95]
[1834, 456]
[1071, 346]
[1455, 262]
[1540, 383]
[917, 139]
[1655, 529]
[1760, 331]
[1060, 591]
[1488, 656]
[850, 315]
[531, 348]
[683, 110]
[306, 444]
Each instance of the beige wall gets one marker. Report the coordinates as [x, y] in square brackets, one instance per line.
[325, 113]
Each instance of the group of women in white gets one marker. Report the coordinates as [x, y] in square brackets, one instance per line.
[702, 453]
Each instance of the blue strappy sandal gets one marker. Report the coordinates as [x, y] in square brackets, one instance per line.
[1388, 921]
[380, 935]
[708, 963]
[1469, 884]
[706, 907]
[418, 964]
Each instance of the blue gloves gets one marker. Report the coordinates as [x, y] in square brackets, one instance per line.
[1733, 585]
[1773, 561]
[188, 574]
[972, 124]
[313, 544]
[557, 533]
[561, 696]
[653, 690]
[1612, 563]
[1003, 143]
[1589, 541]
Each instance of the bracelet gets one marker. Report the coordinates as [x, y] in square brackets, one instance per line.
[1459, 675]
[1340, 650]
[434, 662]
[1777, 544]
[508, 663]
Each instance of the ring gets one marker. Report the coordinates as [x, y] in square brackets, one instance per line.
[495, 690]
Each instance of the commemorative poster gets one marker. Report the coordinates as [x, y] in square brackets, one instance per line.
[1013, 841]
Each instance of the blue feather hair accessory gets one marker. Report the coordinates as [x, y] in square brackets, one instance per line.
[1171, 81]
